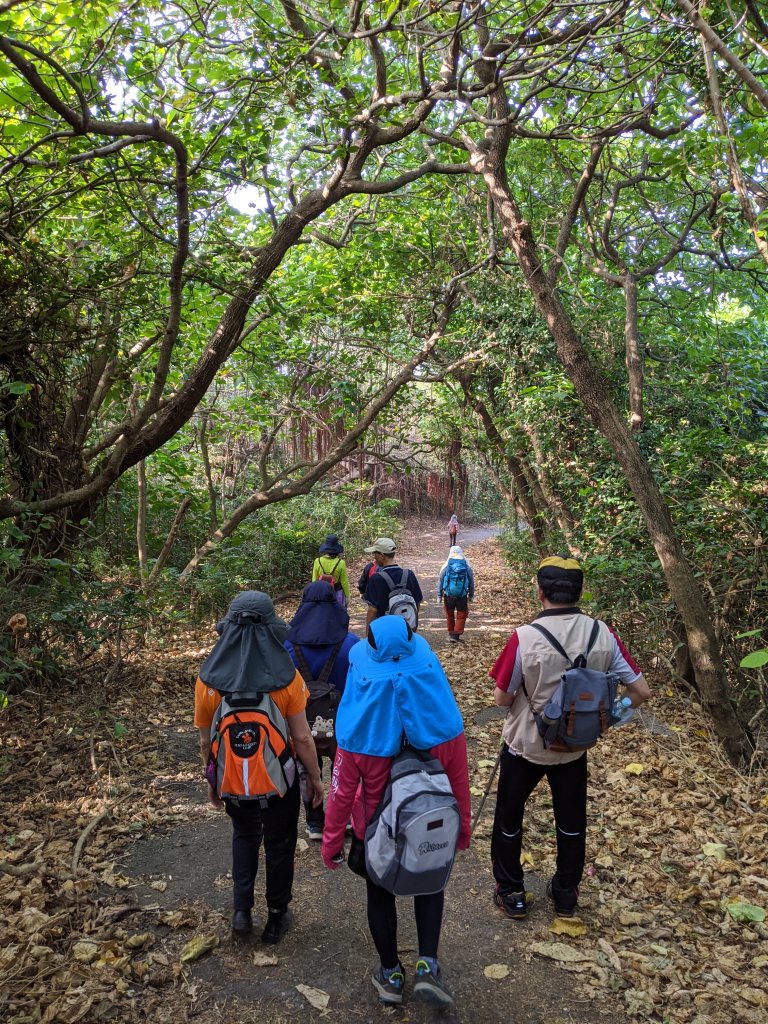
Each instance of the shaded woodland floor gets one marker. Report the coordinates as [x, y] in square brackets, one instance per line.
[118, 864]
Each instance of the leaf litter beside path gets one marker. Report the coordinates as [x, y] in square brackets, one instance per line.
[673, 900]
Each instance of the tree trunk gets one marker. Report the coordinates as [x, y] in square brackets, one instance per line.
[633, 353]
[593, 390]
[170, 540]
[531, 512]
[558, 509]
[141, 517]
[212, 511]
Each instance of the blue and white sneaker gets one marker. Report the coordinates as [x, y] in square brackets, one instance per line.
[390, 989]
[429, 986]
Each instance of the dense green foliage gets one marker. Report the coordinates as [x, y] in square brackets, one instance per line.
[95, 603]
[252, 251]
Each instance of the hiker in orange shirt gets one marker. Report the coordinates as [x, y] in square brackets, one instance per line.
[250, 711]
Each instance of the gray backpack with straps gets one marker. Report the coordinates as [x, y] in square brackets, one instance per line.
[410, 843]
[401, 600]
[579, 711]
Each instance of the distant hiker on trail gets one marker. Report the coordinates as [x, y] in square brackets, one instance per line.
[395, 686]
[391, 590]
[319, 643]
[249, 708]
[453, 529]
[332, 568]
[456, 588]
[527, 674]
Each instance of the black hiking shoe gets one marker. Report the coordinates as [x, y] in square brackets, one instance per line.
[561, 909]
[241, 923]
[278, 923]
[429, 987]
[511, 903]
[390, 989]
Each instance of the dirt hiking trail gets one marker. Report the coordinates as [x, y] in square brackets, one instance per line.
[112, 864]
[329, 947]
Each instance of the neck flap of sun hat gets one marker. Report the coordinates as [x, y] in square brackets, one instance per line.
[249, 656]
[320, 621]
[395, 685]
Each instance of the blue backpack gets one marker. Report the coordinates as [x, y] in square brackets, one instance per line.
[456, 579]
[580, 710]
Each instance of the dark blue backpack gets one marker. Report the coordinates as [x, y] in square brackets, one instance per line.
[456, 579]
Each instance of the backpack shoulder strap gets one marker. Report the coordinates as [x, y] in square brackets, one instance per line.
[325, 673]
[404, 578]
[552, 641]
[527, 697]
[593, 636]
[302, 662]
[581, 661]
[387, 578]
[328, 666]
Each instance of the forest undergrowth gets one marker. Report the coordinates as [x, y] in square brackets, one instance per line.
[672, 925]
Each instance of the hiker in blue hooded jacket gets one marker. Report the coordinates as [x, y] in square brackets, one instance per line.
[395, 686]
[456, 588]
[320, 631]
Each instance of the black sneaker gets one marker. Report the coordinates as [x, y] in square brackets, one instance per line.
[278, 923]
[315, 832]
[453, 637]
[429, 986]
[390, 989]
[241, 923]
[512, 903]
[560, 910]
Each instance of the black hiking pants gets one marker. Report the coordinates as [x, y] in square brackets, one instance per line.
[315, 816]
[517, 780]
[382, 920]
[277, 825]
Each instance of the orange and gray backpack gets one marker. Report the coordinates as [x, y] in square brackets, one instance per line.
[251, 755]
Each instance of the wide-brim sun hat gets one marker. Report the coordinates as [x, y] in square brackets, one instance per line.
[332, 545]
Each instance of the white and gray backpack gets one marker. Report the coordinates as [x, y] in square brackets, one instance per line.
[401, 601]
[410, 843]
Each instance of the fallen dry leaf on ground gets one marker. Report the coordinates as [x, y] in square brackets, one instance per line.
[496, 971]
[314, 996]
[197, 947]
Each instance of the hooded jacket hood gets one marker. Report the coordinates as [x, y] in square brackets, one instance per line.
[320, 621]
[395, 686]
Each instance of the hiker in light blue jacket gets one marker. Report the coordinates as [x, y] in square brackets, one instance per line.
[456, 588]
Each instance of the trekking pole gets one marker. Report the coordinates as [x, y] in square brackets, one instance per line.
[487, 789]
